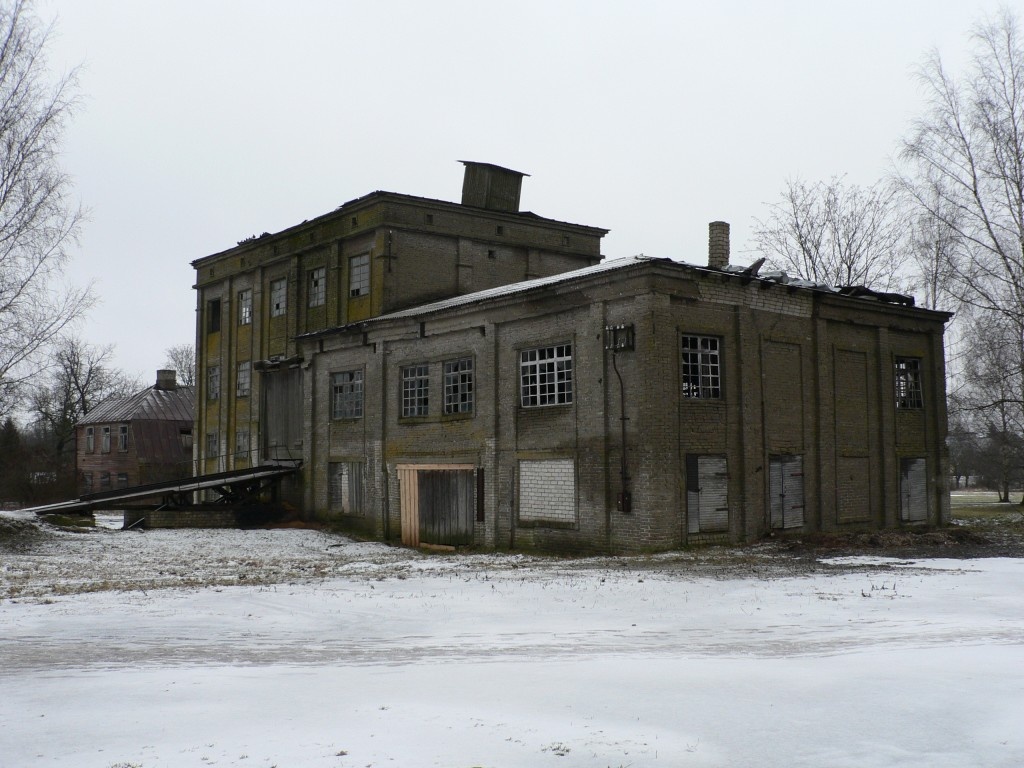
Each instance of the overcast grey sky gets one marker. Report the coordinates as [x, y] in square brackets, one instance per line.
[206, 122]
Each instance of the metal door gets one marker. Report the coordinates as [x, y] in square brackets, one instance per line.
[913, 490]
[786, 491]
[707, 493]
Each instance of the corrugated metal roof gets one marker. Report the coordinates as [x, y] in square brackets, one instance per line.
[151, 404]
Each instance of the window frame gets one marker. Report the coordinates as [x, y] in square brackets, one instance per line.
[908, 383]
[90, 440]
[212, 445]
[122, 438]
[243, 376]
[243, 441]
[213, 382]
[213, 315]
[700, 367]
[546, 376]
[245, 307]
[317, 287]
[459, 379]
[105, 439]
[358, 275]
[279, 297]
[415, 395]
[347, 394]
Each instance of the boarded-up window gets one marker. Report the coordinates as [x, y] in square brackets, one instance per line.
[345, 487]
[786, 491]
[913, 490]
[547, 491]
[707, 493]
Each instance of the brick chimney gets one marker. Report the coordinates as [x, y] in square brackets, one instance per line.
[718, 244]
[166, 379]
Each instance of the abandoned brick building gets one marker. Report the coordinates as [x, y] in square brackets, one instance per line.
[137, 440]
[469, 374]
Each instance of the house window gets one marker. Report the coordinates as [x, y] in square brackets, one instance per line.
[243, 379]
[458, 386]
[242, 443]
[122, 479]
[702, 368]
[213, 316]
[345, 487]
[122, 438]
[212, 444]
[213, 382]
[278, 297]
[105, 440]
[317, 287]
[545, 376]
[909, 393]
[185, 438]
[90, 439]
[359, 275]
[347, 395]
[245, 307]
[415, 390]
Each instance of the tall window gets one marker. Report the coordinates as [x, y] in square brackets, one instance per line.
[909, 393]
[213, 316]
[458, 386]
[702, 367]
[359, 275]
[90, 439]
[545, 376]
[278, 297]
[317, 287]
[243, 379]
[242, 443]
[415, 390]
[122, 438]
[105, 440]
[347, 395]
[245, 307]
[212, 444]
[213, 382]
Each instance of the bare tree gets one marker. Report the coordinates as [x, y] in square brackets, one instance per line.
[182, 358]
[38, 219]
[835, 233]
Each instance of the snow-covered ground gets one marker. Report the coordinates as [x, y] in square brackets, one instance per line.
[296, 648]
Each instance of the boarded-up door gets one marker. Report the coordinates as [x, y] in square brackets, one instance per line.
[913, 490]
[786, 491]
[281, 414]
[437, 504]
[707, 494]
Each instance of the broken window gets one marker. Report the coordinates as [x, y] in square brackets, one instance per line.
[213, 315]
[702, 369]
[359, 275]
[545, 376]
[122, 438]
[278, 297]
[415, 390]
[458, 386]
[90, 440]
[243, 379]
[245, 307]
[347, 395]
[105, 440]
[213, 382]
[909, 393]
[242, 443]
[212, 444]
[317, 287]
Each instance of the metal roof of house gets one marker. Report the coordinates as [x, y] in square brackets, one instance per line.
[151, 404]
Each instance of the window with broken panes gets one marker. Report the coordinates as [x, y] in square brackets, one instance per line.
[213, 382]
[245, 307]
[212, 444]
[278, 297]
[318, 287]
[359, 275]
[909, 392]
[243, 379]
[545, 376]
[702, 367]
[415, 390]
[458, 386]
[90, 440]
[347, 395]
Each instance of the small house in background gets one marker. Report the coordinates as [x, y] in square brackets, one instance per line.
[137, 440]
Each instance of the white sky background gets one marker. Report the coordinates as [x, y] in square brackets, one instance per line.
[204, 123]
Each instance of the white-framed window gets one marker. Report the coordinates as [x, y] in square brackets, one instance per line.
[105, 440]
[702, 367]
[545, 376]
[122, 438]
[278, 297]
[458, 385]
[415, 390]
[242, 443]
[909, 392]
[245, 307]
[359, 275]
[243, 379]
[90, 439]
[347, 395]
[213, 382]
[318, 287]
[212, 444]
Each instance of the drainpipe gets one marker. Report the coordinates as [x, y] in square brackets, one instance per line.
[617, 339]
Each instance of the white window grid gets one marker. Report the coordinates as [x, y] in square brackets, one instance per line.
[105, 440]
[122, 438]
[213, 382]
[909, 392]
[242, 443]
[212, 444]
[90, 440]
[415, 390]
[347, 395]
[702, 368]
[243, 379]
[245, 307]
[278, 297]
[545, 376]
[359, 275]
[458, 386]
[318, 287]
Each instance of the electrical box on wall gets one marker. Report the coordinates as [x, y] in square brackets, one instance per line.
[618, 337]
